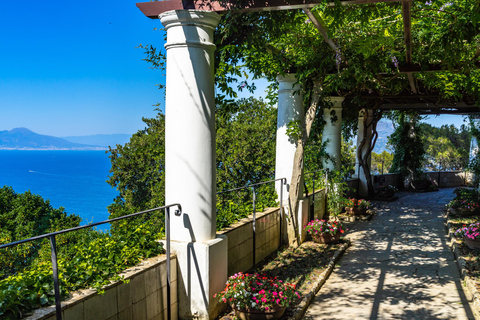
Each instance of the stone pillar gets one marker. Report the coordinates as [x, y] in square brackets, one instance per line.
[364, 117]
[290, 108]
[332, 132]
[190, 159]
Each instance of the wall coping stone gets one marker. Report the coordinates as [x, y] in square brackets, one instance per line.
[82, 295]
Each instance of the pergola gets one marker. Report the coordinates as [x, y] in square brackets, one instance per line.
[190, 129]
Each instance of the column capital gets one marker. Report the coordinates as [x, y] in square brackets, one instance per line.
[192, 28]
[337, 101]
[287, 83]
[288, 77]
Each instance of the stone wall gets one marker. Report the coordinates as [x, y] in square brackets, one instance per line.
[143, 297]
[444, 179]
[388, 179]
[269, 232]
[240, 239]
[449, 178]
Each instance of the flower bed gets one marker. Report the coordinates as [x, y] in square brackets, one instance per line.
[245, 291]
[315, 227]
[468, 260]
[306, 266]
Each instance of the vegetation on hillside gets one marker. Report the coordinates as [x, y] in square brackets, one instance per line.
[245, 154]
[86, 258]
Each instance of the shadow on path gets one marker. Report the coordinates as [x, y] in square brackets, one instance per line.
[398, 267]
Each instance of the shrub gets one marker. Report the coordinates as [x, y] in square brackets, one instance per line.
[463, 204]
[96, 262]
[465, 194]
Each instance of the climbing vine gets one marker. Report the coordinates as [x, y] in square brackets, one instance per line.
[407, 144]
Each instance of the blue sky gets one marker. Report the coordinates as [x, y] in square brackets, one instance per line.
[72, 68]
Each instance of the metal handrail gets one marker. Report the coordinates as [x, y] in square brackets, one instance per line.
[53, 248]
[327, 170]
[283, 182]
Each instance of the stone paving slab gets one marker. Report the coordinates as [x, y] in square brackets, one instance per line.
[399, 266]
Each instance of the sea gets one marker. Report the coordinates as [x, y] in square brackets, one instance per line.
[75, 180]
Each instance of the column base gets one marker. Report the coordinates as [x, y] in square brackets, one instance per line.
[202, 272]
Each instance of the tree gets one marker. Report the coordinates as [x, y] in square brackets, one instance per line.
[381, 162]
[26, 215]
[447, 146]
[138, 173]
[245, 154]
[408, 147]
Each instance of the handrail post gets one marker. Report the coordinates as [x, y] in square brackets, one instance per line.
[326, 192]
[178, 212]
[282, 183]
[56, 286]
[167, 236]
[313, 197]
[254, 230]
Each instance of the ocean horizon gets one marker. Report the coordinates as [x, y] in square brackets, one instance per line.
[75, 180]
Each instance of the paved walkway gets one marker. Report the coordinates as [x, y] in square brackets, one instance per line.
[398, 267]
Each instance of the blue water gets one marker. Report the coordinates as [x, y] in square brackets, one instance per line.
[75, 180]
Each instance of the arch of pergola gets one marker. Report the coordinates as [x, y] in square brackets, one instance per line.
[190, 131]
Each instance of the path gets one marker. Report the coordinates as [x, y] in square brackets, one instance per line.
[398, 267]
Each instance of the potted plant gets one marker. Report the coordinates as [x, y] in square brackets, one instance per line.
[464, 207]
[323, 231]
[255, 296]
[471, 235]
[386, 192]
[356, 206]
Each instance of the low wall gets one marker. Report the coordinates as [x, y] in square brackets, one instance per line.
[143, 297]
[270, 229]
[449, 178]
[388, 179]
[443, 179]
[240, 239]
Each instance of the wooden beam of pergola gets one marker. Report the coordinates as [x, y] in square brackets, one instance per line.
[407, 31]
[153, 9]
[320, 27]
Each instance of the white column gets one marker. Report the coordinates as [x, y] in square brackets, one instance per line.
[332, 132]
[364, 117]
[290, 108]
[474, 149]
[190, 159]
[473, 140]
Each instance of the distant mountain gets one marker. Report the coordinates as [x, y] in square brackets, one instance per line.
[25, 139]
[103, 140]
[385, 129]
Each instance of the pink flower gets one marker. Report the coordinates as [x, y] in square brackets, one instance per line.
[264, 299]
